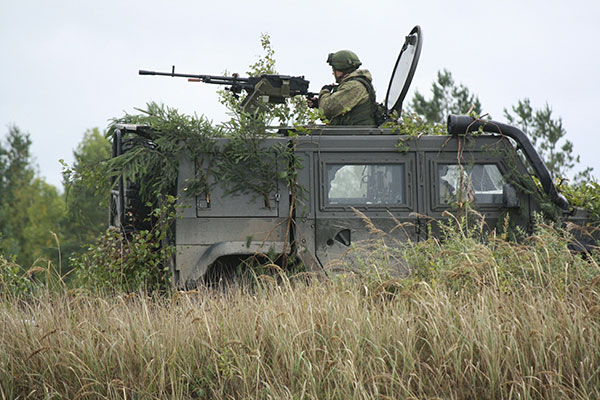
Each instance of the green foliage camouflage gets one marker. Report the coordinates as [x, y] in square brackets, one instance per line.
[585, 195]
[151, 155]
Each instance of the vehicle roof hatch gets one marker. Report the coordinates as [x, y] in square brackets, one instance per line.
[404, 70]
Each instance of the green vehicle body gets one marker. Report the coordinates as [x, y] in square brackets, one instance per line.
[347, 174]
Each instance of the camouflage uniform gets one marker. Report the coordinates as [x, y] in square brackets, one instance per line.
[350, 103]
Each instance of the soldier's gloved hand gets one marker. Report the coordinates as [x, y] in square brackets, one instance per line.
[329, 88]
[312, 102]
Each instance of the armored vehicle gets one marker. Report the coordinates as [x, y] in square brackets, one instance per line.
[348, 174]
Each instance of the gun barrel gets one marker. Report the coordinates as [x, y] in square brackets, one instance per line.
[144, 72]
[173, 74]
[218, 80]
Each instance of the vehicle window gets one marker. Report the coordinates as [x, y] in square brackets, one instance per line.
[365, 184]
[480, 182]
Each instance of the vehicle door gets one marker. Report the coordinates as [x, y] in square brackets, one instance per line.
[364, 197]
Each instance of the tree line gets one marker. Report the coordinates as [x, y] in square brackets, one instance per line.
[39, 224]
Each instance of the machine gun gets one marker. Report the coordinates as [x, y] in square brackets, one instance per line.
[261, 89]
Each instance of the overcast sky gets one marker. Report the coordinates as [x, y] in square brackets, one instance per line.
[68, 66]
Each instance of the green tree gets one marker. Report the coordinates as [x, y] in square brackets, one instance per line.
[29, 207]
[15, 176]
[548, 136]
[447, 98]
[44, 208]
[86, 216]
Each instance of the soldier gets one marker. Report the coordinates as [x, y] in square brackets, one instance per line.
[352, 101]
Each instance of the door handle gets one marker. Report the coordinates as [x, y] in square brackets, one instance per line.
[344, 237]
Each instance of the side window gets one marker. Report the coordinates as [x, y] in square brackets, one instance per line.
[479, 182]
[356, 184]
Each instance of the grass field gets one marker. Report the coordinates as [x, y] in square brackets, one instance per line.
[491, 320]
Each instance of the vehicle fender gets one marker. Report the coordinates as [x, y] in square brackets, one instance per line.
[229, 248]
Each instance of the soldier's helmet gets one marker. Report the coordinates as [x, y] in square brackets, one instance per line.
[344, 60]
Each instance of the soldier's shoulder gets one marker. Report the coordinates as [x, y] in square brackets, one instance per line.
[352, 83]
[357, 81]
[361, 73]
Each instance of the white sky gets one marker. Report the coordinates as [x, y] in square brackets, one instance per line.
[68, 66]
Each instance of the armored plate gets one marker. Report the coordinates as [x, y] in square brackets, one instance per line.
[404, 70]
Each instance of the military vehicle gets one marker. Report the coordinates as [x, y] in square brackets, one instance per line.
[349, 173]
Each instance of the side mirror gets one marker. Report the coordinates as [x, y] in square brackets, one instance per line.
[510, 197]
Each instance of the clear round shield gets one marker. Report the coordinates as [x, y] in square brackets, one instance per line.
[404, 70]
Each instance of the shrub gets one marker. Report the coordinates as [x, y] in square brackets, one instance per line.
[129, 262]
[13, 279]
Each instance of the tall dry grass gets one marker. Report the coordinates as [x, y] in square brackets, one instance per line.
[489, 320]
